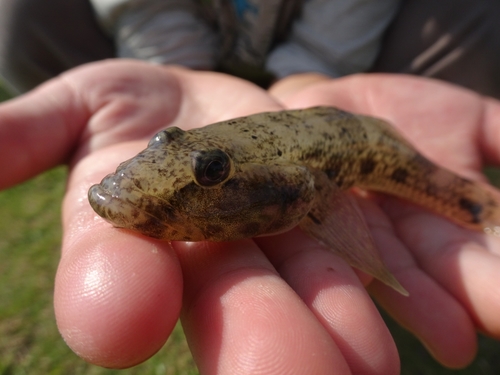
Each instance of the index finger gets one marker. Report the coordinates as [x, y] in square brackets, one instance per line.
[117, 295]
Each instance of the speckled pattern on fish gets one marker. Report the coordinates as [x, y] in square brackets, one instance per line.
[269, 172]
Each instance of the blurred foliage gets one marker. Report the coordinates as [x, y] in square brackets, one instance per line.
[4, 95]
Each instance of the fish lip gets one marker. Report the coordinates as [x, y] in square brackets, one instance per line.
[98, 193]
[114, 183]
[123, 213]
[101, 200]
[110, 206]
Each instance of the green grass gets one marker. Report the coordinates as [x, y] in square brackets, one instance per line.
[30, 232]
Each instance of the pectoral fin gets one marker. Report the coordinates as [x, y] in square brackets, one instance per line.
[336, 220]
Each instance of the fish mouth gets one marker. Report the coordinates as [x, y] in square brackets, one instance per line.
[113, 207]
[120, 203]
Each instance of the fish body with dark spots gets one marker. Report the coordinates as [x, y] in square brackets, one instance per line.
[266, 173]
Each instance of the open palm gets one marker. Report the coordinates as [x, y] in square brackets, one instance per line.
[449, 271]
[279, 304]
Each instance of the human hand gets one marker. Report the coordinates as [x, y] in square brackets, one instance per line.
[449, 272]
[94, 293]
[118, 295]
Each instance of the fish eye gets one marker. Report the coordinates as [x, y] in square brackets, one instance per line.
[166, 136]
[157, 139]
[210, 167]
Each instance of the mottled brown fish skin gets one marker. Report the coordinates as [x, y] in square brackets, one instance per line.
[265, 163]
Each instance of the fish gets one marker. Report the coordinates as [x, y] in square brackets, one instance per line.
[269, 172]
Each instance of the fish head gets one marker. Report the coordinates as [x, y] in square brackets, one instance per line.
[190, 187]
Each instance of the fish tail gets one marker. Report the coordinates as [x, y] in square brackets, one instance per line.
[416, 179]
